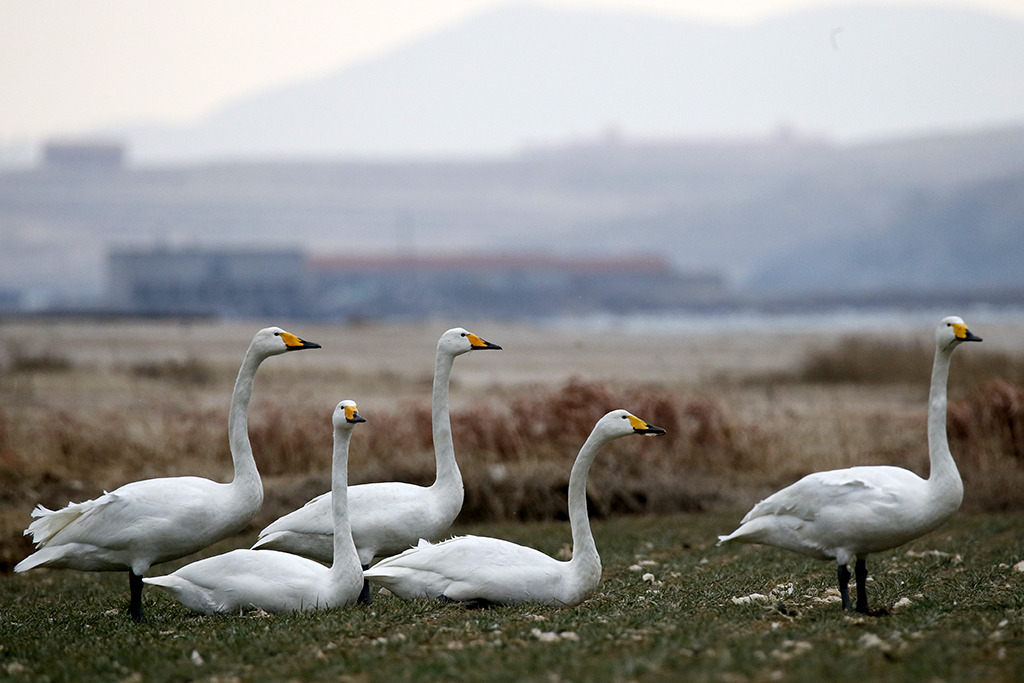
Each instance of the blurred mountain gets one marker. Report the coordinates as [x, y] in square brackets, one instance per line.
[954, 239]
[935, 213]
[530, 76]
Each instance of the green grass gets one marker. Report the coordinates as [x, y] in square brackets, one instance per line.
[964, 621]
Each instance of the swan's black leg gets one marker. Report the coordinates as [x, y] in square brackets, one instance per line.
[844, 585]
[861, 573]
[364, 597]
[135, 606]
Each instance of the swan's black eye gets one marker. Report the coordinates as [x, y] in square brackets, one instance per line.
[277, 334]
[464, 334]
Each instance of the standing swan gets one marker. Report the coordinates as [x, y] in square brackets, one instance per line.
[388, 517]
[155, 520]
[481, 570]
[851, 513]
[274, 581]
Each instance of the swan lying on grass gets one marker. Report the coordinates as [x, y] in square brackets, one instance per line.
[850, 513]
[388, 517]
[147, 522]
[274, 581]
[480, 570]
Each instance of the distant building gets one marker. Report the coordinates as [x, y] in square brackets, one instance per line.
[224, 282]
[516, 286]
[286, 283]
[83, 156]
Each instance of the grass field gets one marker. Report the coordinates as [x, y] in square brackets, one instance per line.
[672, 606]
[86, 407]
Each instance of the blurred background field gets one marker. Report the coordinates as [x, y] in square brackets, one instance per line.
[87, 406]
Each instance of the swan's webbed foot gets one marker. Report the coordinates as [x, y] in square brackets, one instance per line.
[135, 606]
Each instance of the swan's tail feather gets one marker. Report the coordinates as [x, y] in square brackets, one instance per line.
[48, 523]
[31, 562]
[166, 581]
[267, 542]
[187, 593]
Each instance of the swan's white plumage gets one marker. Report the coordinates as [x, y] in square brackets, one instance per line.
[475, 568]
[484, 568]
[388, 517]
[151, 521]
[275, 581]
[853, 512]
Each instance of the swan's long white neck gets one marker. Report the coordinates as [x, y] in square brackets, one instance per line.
[585, 559]
[448, 481]
[246, 479]
[944, 478]
[346, 561]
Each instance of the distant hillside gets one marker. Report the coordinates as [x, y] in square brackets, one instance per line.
[531, 76]
[776, 216]
[964, 238]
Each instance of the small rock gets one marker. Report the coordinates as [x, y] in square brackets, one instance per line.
[902, 602]
[870, 640]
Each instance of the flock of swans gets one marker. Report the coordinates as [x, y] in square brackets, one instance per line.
[322, 555]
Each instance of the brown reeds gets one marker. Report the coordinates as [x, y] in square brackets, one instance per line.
[987, 428]
[856, 360]
[726, 444]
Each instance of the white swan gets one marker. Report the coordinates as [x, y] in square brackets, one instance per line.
[479, 570]
[851, 513]
[155, 520]
[388, 517]
[274, 581]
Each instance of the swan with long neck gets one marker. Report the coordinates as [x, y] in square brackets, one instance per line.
[388, 517]
[275, 581]
[850, 513]
[482, 570]
[155, 520]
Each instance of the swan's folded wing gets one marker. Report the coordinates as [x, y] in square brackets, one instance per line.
[465, 568]
[313, 517]
[79, 522]
[809, 497]
[49, 522]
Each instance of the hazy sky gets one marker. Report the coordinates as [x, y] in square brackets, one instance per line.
[68, 66]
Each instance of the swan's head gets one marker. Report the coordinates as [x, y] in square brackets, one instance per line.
[457, 341]
[951, 331]
[622, 423]
[271, 341]
[346, 415]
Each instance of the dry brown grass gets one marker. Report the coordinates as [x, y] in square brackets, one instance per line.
[986, 429]
[872, 361]
[71, 427]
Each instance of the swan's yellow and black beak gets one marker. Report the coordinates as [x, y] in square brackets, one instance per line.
[964, 334]
[293, 343]
[477, 344]
[641, 427]
[352, 415]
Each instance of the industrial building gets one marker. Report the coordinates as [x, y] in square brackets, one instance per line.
[289, 283]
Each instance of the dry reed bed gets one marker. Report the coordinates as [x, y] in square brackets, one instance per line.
[729, 441]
